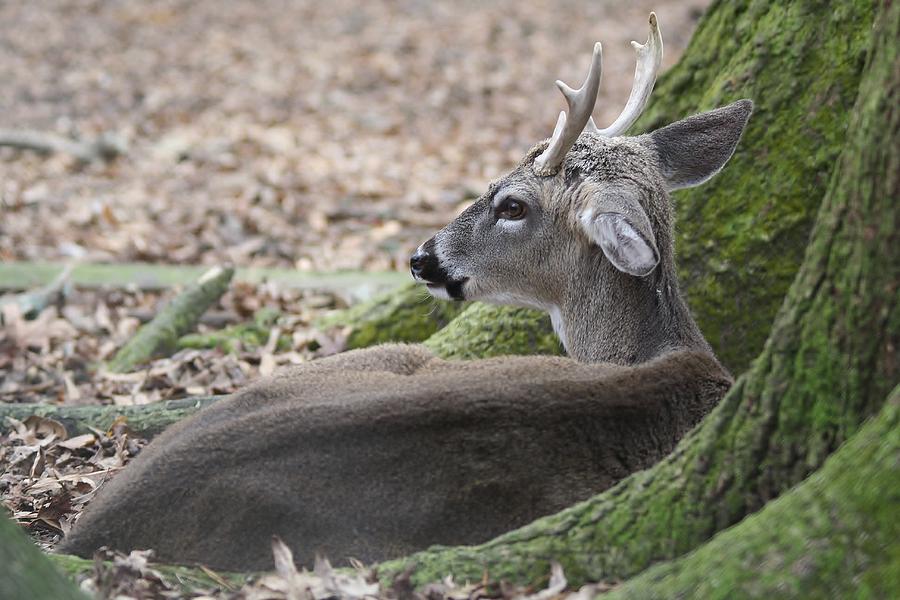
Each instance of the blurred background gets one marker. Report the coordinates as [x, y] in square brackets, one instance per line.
[313, 135]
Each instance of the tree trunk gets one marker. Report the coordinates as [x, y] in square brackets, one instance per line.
[836, 535]
[741, 236]
[25, 572]
[828, 364]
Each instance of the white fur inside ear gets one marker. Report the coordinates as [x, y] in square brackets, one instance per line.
[625, 248]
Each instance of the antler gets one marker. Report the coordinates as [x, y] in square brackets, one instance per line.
[581, 101]
[649, 57]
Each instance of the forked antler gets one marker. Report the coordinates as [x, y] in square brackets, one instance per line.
[581, 102]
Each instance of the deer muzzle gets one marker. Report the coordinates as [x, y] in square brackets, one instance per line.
[426, 268]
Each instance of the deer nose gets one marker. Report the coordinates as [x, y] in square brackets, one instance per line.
[418, 263]
[424, 264]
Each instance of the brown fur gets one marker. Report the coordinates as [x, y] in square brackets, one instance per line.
[380, 452]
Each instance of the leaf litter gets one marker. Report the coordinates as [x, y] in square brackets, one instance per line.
[117, 575]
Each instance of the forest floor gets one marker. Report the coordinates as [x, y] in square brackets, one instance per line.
[305, 135]
[334, 135]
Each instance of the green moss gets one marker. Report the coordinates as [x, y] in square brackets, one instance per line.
[485, 330]
[406, 314]
[145, 420]
[836, 535]
[243, 335]
[740, 237]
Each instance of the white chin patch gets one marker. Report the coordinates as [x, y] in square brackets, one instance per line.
[438, 291]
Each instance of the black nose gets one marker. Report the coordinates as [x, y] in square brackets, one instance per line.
[424, 264]
[418, 263]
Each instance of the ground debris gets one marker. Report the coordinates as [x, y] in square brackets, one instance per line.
[321, 136]
[117, 575]
[58, 356]
[48, 478]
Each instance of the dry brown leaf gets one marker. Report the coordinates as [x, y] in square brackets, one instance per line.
[79, 441]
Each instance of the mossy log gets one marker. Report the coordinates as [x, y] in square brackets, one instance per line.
[828, 364]
[160, 336]
[146, 420]
[405, 314]
[358, 285]
[484, 330]
[836, 535]
[25, 572]
[231, 339]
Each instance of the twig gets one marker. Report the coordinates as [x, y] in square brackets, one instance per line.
[32, 303]
[104, 147]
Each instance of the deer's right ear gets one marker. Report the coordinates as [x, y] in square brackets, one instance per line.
[696, 148]
[613, 219]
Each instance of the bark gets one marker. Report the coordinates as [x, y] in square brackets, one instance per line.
[25, 572]
[160, 336]
[741, 236]
[828, 364]
[449, 329]
[249, 334]
[836, 535]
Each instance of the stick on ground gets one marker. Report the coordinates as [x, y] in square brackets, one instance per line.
[159, 337]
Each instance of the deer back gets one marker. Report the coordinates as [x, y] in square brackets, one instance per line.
[399, 452]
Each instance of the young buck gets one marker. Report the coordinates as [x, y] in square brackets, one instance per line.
[376, 453]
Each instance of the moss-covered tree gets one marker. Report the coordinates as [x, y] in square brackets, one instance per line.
[828, 364]
[836, 535]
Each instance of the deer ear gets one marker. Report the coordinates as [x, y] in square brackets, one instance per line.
[614, 220]
[694, 149]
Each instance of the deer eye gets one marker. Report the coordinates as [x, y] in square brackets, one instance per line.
[511, 209]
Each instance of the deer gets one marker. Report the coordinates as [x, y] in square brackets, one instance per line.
[374, 454]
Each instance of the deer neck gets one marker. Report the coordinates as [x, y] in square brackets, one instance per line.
[623, 319]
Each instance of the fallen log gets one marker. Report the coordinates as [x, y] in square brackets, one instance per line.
[357, 286]
[146, 420]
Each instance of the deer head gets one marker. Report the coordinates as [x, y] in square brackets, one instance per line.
[582, 228]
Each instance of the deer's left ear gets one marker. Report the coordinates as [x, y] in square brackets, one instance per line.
[613, 219]
[694, 149]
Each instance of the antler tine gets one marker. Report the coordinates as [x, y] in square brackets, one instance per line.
[569, 127]
[649, 57]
